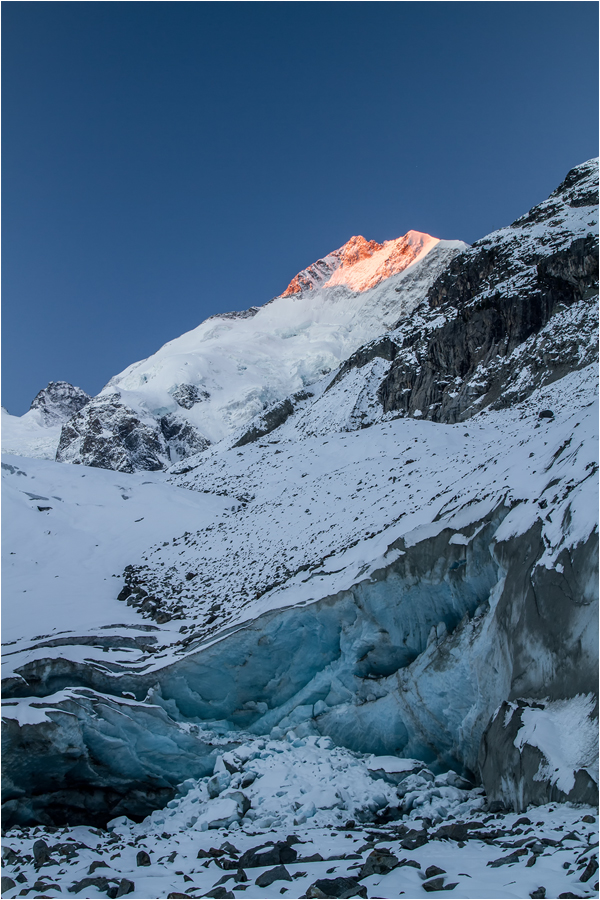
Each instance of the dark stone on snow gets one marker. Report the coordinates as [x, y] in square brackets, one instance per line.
[279, 873]
[341, 887]
[268, 855]
[411, 843]
[142, 859]
[378, 862]
[539, 893]
[41, 853]
[507, 860]
[6, 884]
[432, 871]
[125, 887]
[590, 869]
[97, 864]
[100, 882]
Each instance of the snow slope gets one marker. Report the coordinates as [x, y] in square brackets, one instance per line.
[246, 362]
[28, 435]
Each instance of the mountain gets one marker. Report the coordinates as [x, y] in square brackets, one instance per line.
[37, 433]
[203, 386]
[369, 605]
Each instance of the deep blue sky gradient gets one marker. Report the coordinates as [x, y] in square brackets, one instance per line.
[166, 161]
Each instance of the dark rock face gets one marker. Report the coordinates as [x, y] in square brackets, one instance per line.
[59, 401]
[182, 438]
[187, 395]
[518, 778]
[272, 418]
[107, 434]
[381, 348]
[521, 284]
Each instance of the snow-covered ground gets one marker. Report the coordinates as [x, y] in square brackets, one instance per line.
[439, 840]
[285, 520]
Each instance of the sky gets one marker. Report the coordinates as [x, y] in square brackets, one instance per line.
[166, 161]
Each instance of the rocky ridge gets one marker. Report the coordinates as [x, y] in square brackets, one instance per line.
[59, 401]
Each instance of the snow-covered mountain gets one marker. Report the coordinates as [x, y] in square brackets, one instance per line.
[367, 598]
[199, 388]
[37, 433]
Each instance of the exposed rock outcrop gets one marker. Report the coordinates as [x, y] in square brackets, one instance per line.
[59, 401]
[187, 395]
[108, 435]
[462, 351]
[274, 416]
[537, 752]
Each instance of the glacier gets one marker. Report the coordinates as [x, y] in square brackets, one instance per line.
[360, 593]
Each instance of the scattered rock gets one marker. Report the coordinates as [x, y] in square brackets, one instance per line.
[539, 893]
[279, 873]
[142, 859]
[229, 848]
[432, 871]
[125, 887]
[589, 870]
[100, 882]
[437, 884]
[589, 819]
[97, 864]
[336, 887]
[269, 855]
[9, 857]
[41, 853]
[6, 884]
[219, 893]
[379, 862]
[507, 860]
[411, 843]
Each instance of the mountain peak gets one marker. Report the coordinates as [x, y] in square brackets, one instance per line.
[361, 264]
[59, 401]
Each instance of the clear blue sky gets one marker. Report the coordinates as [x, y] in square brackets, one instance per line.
[166, 161]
